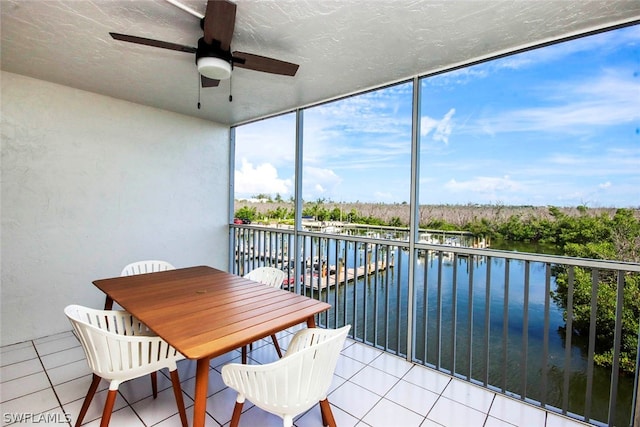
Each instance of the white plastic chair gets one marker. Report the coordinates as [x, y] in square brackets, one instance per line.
[293, 384]
[274, 278]
[149, 266]
[269, 276]
[120, 348]
[140, 267]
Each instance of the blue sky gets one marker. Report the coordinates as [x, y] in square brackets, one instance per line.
[553, 126]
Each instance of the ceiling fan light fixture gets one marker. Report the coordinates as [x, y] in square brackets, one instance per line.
[214, 68]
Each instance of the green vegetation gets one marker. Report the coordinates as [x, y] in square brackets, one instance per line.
[616, 238]
[604, 234]
[247, 212]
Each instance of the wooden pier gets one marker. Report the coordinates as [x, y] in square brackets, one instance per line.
[321, 281]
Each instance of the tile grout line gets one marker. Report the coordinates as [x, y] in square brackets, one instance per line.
[493, 399]
[348, 380]
[440, 396]
[49, 380]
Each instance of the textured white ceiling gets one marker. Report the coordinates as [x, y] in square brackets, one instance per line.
[342, 46]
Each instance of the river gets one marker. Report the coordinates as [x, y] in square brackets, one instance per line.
[523, 370]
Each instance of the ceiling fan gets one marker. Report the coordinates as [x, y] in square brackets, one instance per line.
[214, 58]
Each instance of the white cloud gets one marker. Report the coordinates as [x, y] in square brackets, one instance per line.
[373, 112]
[573, 107]
[485, 185]
[319, 183]
[441, 128]
[605, 185]
[604, 162]
[461, 76]
[268, 141]
[261, 179]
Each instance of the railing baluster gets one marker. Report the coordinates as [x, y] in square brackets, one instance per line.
[399, 308]
[355, 289]
[425, 309]
[375, 297]
[545, 339]
[454, 315]
[344, 272]
[487, 321]
[635, 412]
[470, 327]
[327, 279]
[315, 252]
[525, 330]
[592, 342]
[438, 316]
[365, 291]
[254, 255]
[336, 304]
[505, 324]
[387, 289]
[615, 366]
[568, 336]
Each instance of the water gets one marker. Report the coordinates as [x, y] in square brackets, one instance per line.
[504, 355]
[491, 344]
[532, 248]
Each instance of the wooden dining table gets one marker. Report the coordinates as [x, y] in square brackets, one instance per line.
[204, 312]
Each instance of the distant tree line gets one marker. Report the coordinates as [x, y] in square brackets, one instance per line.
[536, 224]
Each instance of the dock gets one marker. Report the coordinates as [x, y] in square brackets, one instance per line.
[323, 280]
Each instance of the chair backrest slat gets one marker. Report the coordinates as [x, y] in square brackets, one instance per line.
[148, 266]
[296, 382]
[269, 276]
[117, 345]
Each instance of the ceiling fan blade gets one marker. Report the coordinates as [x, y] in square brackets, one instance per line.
[219, 22]
[264, 64]
[154, 43]
[207, 82]
[186, 8]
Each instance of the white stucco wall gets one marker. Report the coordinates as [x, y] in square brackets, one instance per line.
[91, 183]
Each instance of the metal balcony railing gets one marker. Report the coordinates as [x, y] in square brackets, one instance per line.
[483, 315]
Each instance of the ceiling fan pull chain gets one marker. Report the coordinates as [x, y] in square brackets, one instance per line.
[198, 91]
[230, 97]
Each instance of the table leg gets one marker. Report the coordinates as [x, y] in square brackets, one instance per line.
[202, 382]
[325, 408]
[311, 322]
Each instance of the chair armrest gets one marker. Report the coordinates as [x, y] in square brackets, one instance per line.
[122, 322]
[277, 384]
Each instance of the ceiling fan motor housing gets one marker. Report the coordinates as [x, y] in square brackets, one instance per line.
[212, 51]
[212, 61]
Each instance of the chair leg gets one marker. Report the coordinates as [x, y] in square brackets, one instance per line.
[108, 408]
[244, 355]
[177, 391]
[276, 345]
[237, 410]
[154, 384]
[87, 400]
[327, 415]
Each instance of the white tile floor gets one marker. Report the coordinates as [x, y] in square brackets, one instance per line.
[48, 378]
